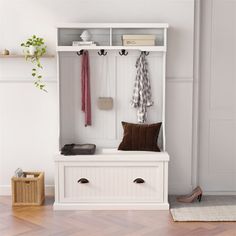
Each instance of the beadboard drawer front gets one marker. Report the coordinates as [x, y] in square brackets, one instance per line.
[110, 183]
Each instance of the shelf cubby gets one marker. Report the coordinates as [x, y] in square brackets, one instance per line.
[119, 32]
[100, 36]
[109, 36]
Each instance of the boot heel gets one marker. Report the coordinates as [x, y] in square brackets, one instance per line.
[199, 197]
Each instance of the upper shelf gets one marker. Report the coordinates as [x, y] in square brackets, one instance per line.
[113, 25]
[22, 56]
[110, 36]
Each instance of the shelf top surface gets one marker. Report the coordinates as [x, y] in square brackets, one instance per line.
[141, 48]
[116, 155]
[113, 25]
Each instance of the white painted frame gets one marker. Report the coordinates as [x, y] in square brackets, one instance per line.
[162, 49]
[117, 159]
[112, 158]
[110, 26]
[196, 74]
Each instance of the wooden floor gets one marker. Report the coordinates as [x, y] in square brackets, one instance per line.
[34, 221]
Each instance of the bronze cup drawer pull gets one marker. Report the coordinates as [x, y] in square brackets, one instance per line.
[139, 181]
[83, 181]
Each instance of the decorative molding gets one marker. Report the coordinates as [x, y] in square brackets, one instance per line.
[211, 54]
[51, 79]
[195, 109]
[179, 79]
[24, 79]
[219, 193]
[5, 190]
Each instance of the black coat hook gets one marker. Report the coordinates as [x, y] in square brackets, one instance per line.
[123, 52]
[146, 53]
[102, 53]
[80, 52]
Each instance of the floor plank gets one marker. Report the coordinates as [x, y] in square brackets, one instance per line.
[37, 221]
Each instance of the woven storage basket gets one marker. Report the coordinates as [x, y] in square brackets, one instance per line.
[28, 191]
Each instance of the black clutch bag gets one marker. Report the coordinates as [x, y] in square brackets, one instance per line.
[78, 149]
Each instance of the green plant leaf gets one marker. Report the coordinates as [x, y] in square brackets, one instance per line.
[38, 43]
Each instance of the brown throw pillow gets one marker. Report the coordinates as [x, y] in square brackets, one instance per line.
[140, 137]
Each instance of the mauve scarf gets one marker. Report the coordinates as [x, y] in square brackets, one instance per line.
[85, 85]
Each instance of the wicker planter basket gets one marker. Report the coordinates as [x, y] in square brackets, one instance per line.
[28, 191]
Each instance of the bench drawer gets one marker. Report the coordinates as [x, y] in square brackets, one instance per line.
[110, 183]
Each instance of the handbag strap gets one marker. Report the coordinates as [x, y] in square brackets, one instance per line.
[105, 90]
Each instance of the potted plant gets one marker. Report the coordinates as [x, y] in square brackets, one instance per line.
[34, 49]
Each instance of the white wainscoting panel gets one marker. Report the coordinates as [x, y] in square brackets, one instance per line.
[179, 134]
[32, 116]
[106, 129]
[29, 129]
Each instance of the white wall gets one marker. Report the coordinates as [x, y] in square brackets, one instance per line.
[28, 120]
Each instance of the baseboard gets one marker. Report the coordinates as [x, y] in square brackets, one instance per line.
[5, 190]
[219, 193]
[110, 206]
[180, 190]
[185, 189]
